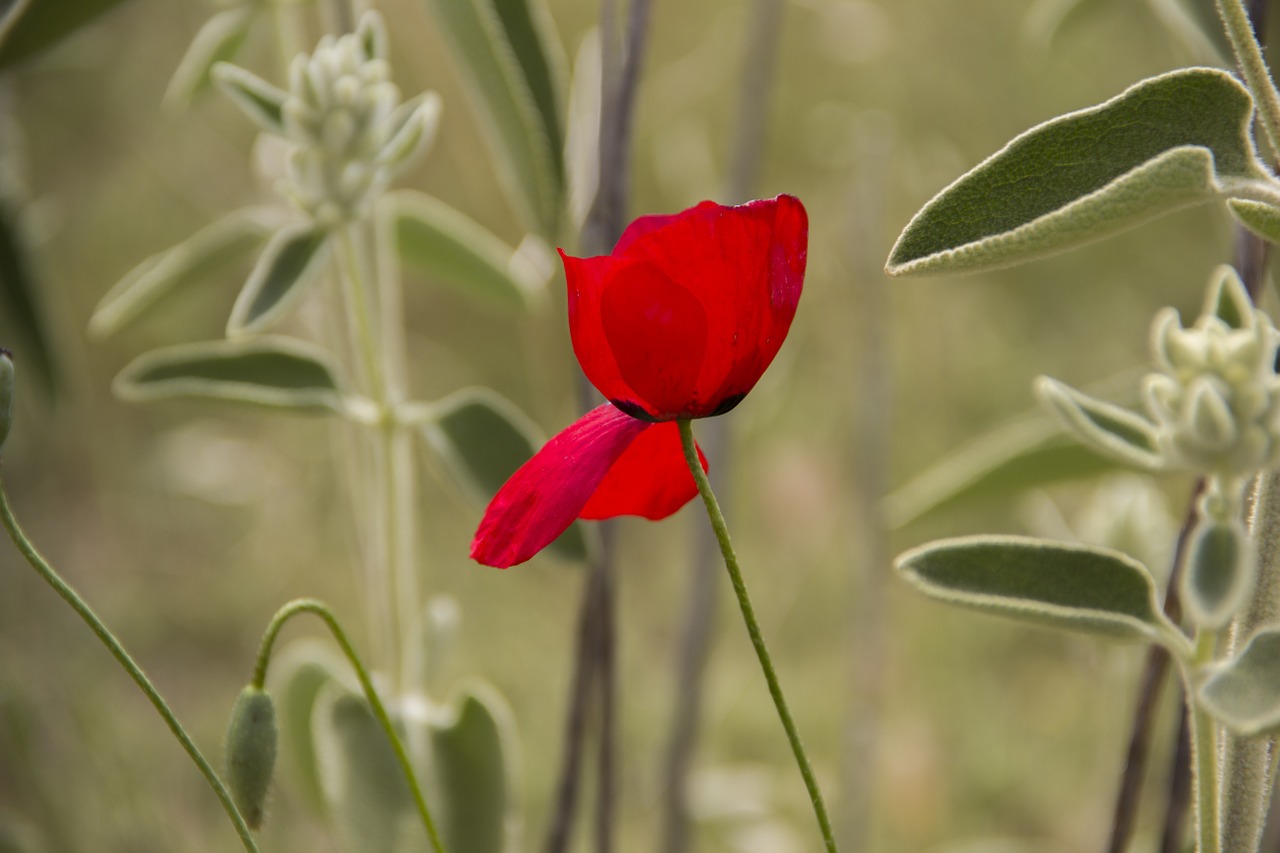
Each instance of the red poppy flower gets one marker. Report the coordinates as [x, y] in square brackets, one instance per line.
[680, 321]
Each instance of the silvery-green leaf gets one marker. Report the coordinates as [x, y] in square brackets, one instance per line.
[509, 57]
[472, 763]
[1064, 585]
[28, 27]
[219, 40]
[298, 673]
[226, 240]
[256, 98]
[271, 372]
[481, 439]
[1259, 217]
[290, 262]
[1168, 142]
[18, 301]
[1245, 692]
[363, 783]
[1103, 426]
[1220, 572]
[1013, 458]
[440, 241]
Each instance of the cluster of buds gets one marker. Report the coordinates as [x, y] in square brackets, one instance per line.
[347, 130]
[1216, 400]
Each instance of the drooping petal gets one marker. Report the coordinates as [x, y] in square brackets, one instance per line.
[657, 331]
[650, 479]
[549, 491]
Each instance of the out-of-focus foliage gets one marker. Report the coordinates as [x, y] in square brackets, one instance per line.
[187, 524]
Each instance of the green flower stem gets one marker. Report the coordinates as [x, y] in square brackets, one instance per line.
[1253, 67]
[753, 629]
[1204, 751]
[311, 605]
[78, 604]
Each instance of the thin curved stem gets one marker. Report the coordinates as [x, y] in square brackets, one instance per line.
[319, 608]
[103, 633]
[753, 630]
[1253, 67]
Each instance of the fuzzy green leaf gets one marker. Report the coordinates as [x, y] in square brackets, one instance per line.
[1009, 460]
[1051, 583]
[1107, 428]
[471, 759]
[289, 263]
[1168, 142]
[227, 240]
[1245, 693]
[441, 242]
[19, 304]
[482, 438]
[256, 98]
[219, 40]
[271, 372]
[509, 58]
[1259, 217]
[28, 27]
[364, 785]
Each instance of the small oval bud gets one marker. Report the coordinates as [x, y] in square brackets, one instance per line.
[6, 394]
[251, 752]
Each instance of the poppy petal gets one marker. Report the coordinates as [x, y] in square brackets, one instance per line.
[650, 479]
[647, 225]
[585, 279]
[745, 264]
[657, 331]
[546, 494]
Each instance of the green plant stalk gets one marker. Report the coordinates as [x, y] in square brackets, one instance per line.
[391, 509]
[319, 608]
[103, 633]
[1247, 768]
[753, 630]
[1254, 68]
[1204, 750]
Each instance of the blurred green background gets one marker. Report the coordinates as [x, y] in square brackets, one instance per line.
[187, 525]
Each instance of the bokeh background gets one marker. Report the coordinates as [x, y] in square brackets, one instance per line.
[188, 524]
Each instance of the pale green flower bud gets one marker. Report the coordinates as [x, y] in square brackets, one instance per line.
[1216, 400]
[350, 131]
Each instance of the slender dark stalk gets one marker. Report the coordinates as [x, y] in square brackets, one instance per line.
[607, 658]
[1179, 796]
[575, 726]
[595, 655]
[1155, 670]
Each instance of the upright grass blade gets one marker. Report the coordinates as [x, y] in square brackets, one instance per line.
[508, 56]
